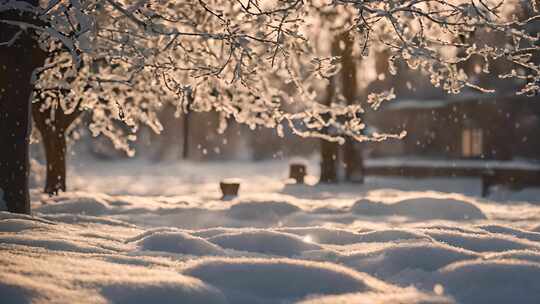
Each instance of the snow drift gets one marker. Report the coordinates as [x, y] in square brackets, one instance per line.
[261, 210]
[409, 296]
[483, 282]
[271, 245]
[267, 242]
[254, 280]
[82, 205]
[178, 242]
[421, 209]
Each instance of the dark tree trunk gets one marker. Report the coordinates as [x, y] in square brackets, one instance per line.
[53, 136]
[329, 150]
[352, 154]
[15, 91]
[185, 146]
[328, 162]
[55, 153]
[354, 163]
[17, 62]
[352, 158]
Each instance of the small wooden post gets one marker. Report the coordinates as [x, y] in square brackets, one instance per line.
[229, 189]
[297, 172]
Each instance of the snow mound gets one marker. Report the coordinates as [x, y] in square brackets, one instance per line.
[492, 282]
[80, 219]
[522, 234]
[451, 227]
[18, 225]
[150, 232]
[421, 208]
[264, 241]
[270, 210]
[481, 242]
[324, 235]
[52, 244]
[391, 235]
[40, 277]
[526, 255]
[82, 205]
[246, 280]
[330, 210]
[8, 215]
[178, 242]
[17, 288]
[177, 290]
[408, 296]
[396, 258]
[211, 232]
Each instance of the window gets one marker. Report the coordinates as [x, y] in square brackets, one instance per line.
[472, 143]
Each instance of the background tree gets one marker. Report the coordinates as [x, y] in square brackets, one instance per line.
[344, 83]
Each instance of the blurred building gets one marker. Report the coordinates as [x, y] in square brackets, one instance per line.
[461, 126]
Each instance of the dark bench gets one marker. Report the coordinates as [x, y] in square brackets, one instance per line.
[514, 178]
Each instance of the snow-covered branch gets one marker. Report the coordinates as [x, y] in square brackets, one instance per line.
[261, 62]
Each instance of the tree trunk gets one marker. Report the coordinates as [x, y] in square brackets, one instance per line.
[17, 62]
[15, 94]
[349, 159]
[328, 162]
[53, 136]
[55, 153]
[185, 145]
[352, 154]
[329, 150]
[354, 163]
[352, 159]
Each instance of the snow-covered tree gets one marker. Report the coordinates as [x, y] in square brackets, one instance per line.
[247, 59]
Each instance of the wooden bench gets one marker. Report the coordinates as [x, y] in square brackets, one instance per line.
[505, 175]
[515, 179]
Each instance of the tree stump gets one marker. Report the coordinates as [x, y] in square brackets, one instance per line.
[297, 172]
[229, 189]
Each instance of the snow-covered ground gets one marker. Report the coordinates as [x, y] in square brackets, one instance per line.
[141, 232]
